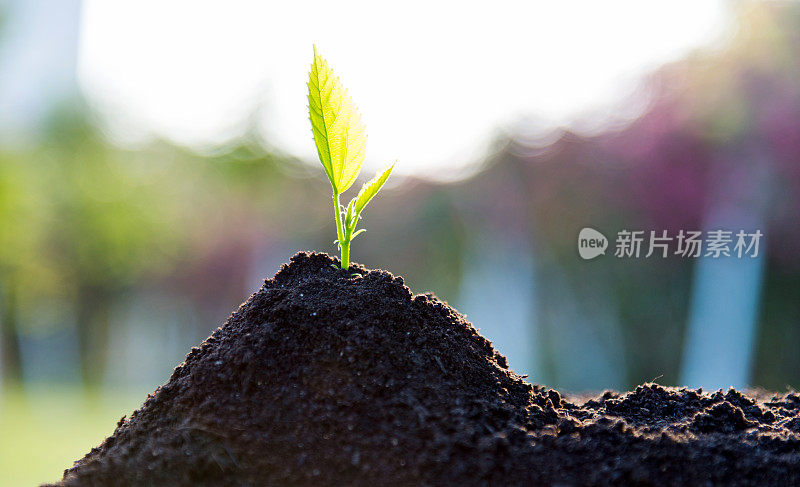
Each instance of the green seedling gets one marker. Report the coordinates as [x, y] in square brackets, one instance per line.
[341, 141]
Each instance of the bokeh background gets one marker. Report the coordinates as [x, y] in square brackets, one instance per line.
[156, 164]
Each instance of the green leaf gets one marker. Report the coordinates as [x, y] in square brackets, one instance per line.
[338, 131]
[359, 232]
[371, 188]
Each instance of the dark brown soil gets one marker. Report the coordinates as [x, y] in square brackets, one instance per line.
[328, 378]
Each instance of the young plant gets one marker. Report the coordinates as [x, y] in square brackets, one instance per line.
[341, 142]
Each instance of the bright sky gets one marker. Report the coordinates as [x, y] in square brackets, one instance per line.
[434, 81]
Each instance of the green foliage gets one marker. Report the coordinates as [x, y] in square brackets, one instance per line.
[109, 196]
[338, 131]
[370, 189]
[341, 141]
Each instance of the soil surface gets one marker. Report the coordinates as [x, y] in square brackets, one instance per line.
[331, 377]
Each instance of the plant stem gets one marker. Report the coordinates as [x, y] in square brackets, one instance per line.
[344, 246]
[346, 255]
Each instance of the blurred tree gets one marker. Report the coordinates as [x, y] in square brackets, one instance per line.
[20, 254]
[112, 223]
[723, 115]
[247, 200]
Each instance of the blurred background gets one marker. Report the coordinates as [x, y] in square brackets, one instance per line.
[156, 164]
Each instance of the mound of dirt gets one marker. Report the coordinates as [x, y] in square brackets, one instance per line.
[331, 377]
[658, 435]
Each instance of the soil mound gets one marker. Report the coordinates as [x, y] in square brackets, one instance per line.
[331, 377]
[659, 435]
[324, 376]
